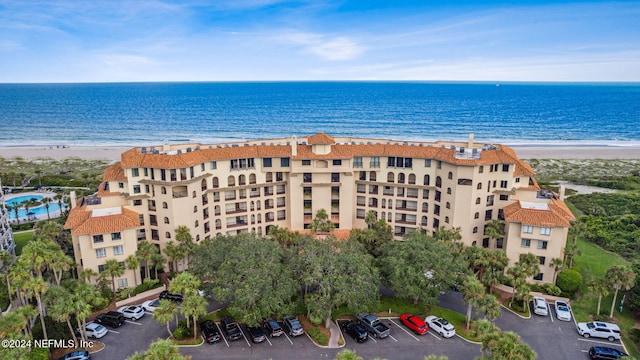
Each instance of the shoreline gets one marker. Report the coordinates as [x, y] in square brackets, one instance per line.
[112, 153]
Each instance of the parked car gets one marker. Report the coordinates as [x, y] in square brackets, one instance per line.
[292, 326]
[230, 329]
[605, 353]
[76, 355]
[257, 334]
[171, 296]
[599, 329]
[273, 328]
[132, 312]
[151, 305]
[440, 326]
[414, 323]
[374, 326]
[111, 318]
[209, 331]
[563, 312]
[95, 330]
[356, 331]
[540, 306]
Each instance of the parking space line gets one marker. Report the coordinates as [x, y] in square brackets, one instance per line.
[133, 322]
[221, 334]
[403, 329]
[396, 340]
[242, 332]
[600, 342]
[550, 312]
[287, 336]
[269, 341]
[113, 331]
[434, 335]
[372, 338]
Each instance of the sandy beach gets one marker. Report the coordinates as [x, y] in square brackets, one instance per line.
[112, 153]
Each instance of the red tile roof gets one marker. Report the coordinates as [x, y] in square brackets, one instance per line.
[553, 217]
[114, 172]
[81, 221]
[320, 139]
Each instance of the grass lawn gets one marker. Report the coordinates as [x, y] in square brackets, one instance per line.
[456, 319]
[593, 264]
[21, 240]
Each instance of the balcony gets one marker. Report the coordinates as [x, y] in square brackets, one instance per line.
[254, 193]
[280, 189]
[373, 189]
[361, 189]
[388, 192]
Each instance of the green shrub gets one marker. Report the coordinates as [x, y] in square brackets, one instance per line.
[37, 353]
[182, 331]
[318, 336]
[551, 289]
[569, 281]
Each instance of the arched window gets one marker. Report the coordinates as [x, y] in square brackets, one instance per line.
[412, 179]
[438, 181]
[163, 190]
[425, 207]
[215, 182]
[259, 231]
[259, 218]
[252, 178]
[253, 218]
[476, 216]
[167, 235]
[481, 169]
[198, 237]
[252, 205]
[479, 186]
[242, 180]
[193, 195]
[196, 223]
[425, 221]
[446, 219]
[389, 216]
[269, 177]
[475, 229]
[390, 204]
[478, 201]
[383, 215]
[390, 177]
[372, 176]
[216, 210]
[218, 224]
[195, 209]
[427, 180]
[450, 175]
[165, 205]
[258, 206]
[448, 205]
[231, 180]
[449, 191]
[166, 220]
[384, 203]
[401, 178]
[203, 184]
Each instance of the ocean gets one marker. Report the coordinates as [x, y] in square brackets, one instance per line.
[127, 114]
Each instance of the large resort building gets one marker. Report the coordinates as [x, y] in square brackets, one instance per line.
[6, 235]
[226, 189]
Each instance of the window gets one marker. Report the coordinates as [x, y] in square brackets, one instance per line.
[100, 253]
[450, 175]
[121, 185]
[517, 180]
[504, 197]
[542, 259]
[100, 268]
[499, 243]
[137, 202]
[527, 229]
[545, 231]
[335, 177]
[136, 189]
[165, 205]
[525, 243]
[306, 177]
[306, 162]
[167, 235]
[117, 250]
[481, 169]
[98, 238]
[357, 161]
[135, 172]
[408, 163]
[479, 186]
[478, 200]
[166, 220]
[374, 161]
[475, 229]
[116, 236]
[266, 162]
[427, 162]
[538, 277]
[505, 167]
[284, 162]
[337, 162]
[542, 244]
[391, 161]
[476, 215]
[213, 165]
[503, 184]
[485, 242]
[122, 283]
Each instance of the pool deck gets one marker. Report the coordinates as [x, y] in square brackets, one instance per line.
[49, 194]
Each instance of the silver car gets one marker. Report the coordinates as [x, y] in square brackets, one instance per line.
[563, 312]
[599, 329]
[540, 306]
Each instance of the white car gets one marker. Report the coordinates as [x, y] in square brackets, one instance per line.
[563, 312]
[441, 326]
[132, 312]
[95, 330]
[599, 329]
[151, 305]
[540, 306]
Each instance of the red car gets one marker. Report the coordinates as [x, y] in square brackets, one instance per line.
[414, 323]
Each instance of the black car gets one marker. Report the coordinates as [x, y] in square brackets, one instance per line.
[209, 331]
[273, 328]
[605, 353]
[171, 296]
[230, 329]
[257, 334]
[356, 331]
[111, 319]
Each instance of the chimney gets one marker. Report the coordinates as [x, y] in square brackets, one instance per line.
[561, 193]
[73, 199]
[470, 144]
[294, 146]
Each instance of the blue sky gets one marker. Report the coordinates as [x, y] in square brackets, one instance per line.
[244, 40]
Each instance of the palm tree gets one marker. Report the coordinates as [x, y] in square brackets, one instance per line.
[61, 307]
[87, 274]
[473, 291]
[194, 306]
[489, 307]
[46, 201]
[184, 238]
[113, 269]
[494, 264]
[620, 277]
[487, 332]
[160, 350]
[144, 253]
[132, 263]
[174, 254]
[185, 283]
[28, 313]
[599, 288]
[557, 265]
[6, 260]
[321, 222]
[156, 261]
[370, 219]
[60, 263]
[165, 312]
[36, 287]
[494, 229]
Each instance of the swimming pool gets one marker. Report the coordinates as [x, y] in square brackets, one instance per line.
[19, 199]
[35, 211]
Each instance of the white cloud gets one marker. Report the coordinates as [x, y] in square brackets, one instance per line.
[337, 48]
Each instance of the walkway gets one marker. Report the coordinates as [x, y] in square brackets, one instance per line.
[335, 335]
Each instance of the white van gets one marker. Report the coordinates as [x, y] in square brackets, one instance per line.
[540, 306]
